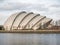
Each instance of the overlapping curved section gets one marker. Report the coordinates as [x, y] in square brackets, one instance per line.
[42, 24]
[31, 20]
[24, 20]
[35, 20]
[18, 20]
[8, 24]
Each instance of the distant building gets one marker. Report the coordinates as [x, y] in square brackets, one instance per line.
[24, 20]
[55, 28]
[1, 27]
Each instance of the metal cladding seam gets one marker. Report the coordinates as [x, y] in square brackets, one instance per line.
[18, 20]
[25, 17]
[32, 19]
[11, 20]
[16, 17]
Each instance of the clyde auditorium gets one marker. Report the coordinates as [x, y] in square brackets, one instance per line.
[24, 20]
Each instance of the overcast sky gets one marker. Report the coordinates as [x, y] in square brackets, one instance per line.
[49, 8]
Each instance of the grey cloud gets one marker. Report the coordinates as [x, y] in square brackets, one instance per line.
[39, 7]
[36, 7]
[23, 6]
[55, 5]
[13, 6]
[1, 0]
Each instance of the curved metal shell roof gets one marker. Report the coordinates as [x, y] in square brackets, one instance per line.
[18, 20]
[24, 20]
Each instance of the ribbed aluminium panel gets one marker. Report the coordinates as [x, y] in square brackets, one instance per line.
[18, 20]
[9, 21]
[8, 24]
[31, 20]
[27, 19]
[42, 22]
[35, 20]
